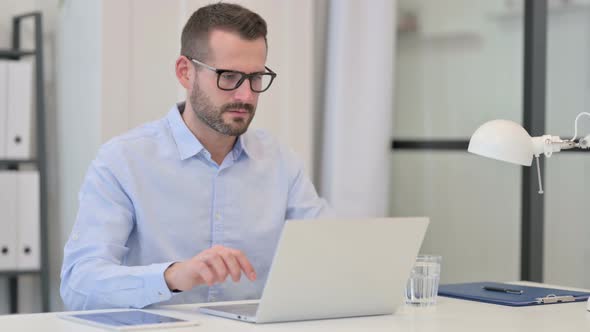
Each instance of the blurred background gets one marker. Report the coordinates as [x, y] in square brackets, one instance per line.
[379, 98]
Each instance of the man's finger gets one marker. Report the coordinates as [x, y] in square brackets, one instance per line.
[205, 272]
[218, 266]
[232, 265]
[245, 265]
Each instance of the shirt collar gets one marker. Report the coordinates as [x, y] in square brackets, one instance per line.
[240, 147]
[187, 143]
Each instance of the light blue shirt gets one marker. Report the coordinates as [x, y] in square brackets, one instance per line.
[154, 196]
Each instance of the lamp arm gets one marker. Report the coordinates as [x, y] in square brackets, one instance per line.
[548, 144]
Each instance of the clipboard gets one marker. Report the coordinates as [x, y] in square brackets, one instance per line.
[530, 295]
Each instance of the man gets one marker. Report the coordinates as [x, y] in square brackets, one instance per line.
[172, 210]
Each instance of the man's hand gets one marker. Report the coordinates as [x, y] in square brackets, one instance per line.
[209, 267]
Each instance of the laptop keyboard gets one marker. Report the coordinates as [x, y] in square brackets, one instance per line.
[248, 309]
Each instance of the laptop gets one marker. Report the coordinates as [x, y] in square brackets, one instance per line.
[335, 268]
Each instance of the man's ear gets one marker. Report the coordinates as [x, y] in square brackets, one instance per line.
[184, 72]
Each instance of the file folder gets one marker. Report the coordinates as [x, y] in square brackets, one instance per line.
[19, 110]
[28, 243]
[3, 106]
[8, 220]
[529, 295]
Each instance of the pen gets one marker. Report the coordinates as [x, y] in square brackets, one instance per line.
[503, 290]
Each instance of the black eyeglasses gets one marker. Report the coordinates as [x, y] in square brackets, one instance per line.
[231, 79]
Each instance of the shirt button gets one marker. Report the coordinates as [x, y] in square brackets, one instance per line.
[218, 216]
[75, 236]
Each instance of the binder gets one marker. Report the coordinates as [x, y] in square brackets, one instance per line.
[28, 243]
[3, 106]
[8, 220]
[528, 295]
[19, 110]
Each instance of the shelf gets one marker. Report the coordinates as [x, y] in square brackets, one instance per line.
[18, 273]
[14, 55]
[4, 162]
[15, 52]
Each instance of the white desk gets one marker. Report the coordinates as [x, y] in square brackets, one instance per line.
[448, 315]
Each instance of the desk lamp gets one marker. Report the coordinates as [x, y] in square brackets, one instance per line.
[508, 141]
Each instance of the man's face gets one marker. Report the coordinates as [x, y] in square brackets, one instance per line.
[227, 112]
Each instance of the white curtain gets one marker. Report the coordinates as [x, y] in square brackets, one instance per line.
[355, 175]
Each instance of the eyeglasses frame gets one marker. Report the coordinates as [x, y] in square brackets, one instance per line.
[245, 76]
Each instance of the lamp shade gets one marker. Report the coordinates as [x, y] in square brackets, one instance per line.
[503, 140]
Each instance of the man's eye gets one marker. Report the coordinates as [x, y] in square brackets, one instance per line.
[230, 76]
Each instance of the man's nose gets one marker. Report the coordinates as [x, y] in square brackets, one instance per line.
[244, 92]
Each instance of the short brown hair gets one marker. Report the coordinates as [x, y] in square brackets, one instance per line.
[225, 16]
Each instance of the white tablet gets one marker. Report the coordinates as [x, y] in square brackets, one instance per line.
[128, 320]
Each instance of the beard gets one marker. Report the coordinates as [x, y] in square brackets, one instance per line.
[212, 116]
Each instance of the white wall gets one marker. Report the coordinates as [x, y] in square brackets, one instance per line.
[138, 55]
